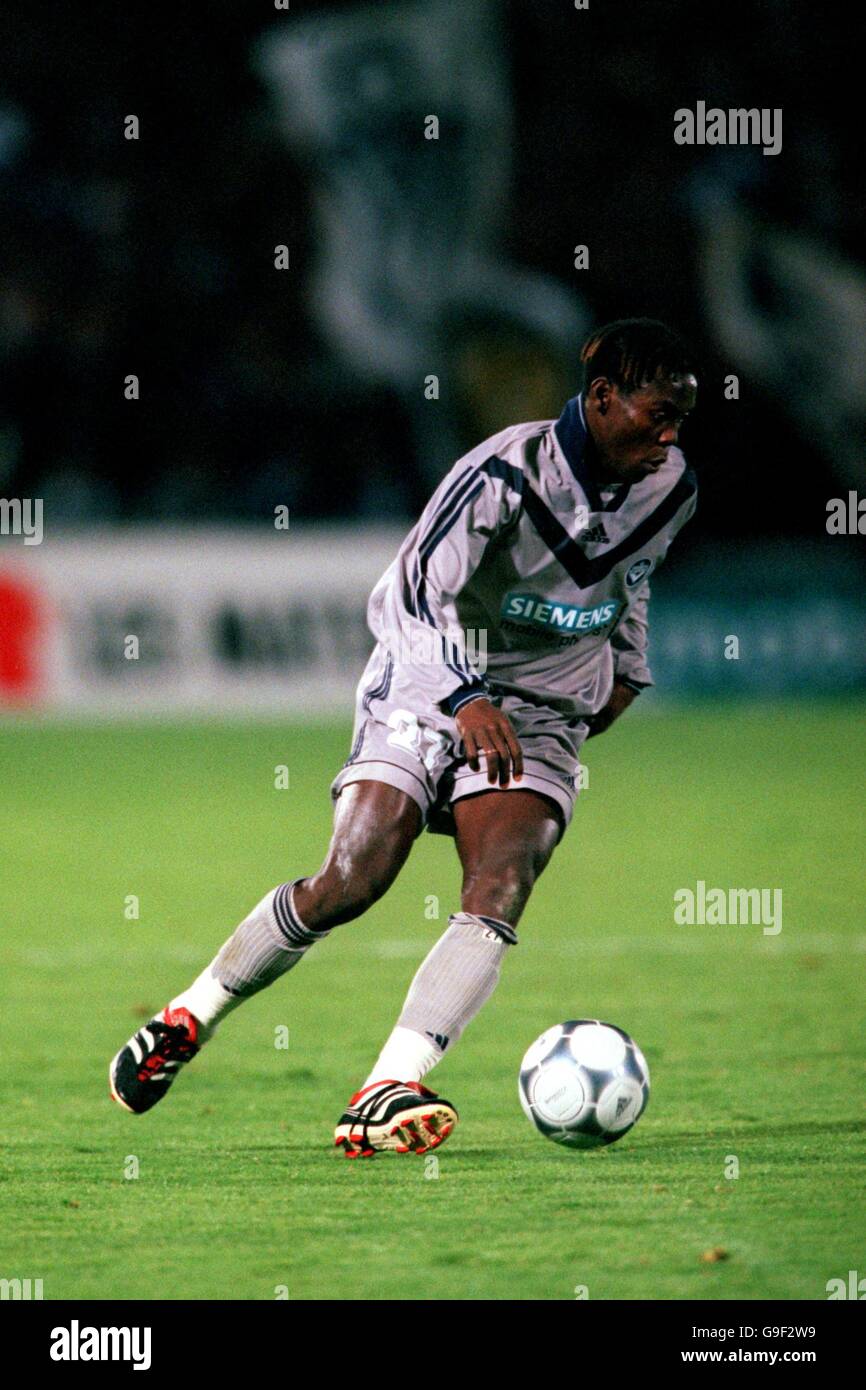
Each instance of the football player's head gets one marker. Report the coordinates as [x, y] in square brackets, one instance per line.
[639, 385]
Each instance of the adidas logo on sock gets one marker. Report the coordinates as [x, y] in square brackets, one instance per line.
[439, 1038]
[596, 534]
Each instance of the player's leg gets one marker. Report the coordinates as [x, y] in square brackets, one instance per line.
[505, 840]
[375, 826]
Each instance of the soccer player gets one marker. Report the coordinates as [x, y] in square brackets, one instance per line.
[539, 542]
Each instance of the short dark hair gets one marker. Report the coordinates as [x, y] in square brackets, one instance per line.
[632, 352]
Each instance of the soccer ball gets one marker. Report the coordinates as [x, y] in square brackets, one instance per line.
[584, 1083]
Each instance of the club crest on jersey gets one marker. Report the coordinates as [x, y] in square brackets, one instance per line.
[639, 570]
[557, 617]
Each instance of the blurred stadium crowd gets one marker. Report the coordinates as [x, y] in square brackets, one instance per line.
[411, 256]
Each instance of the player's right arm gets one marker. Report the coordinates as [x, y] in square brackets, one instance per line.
[413, 609]
[486, 729]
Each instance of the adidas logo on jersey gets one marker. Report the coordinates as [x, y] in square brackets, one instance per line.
[597, 535]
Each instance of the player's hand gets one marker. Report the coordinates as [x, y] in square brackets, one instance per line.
[620, 698]
[485, 729]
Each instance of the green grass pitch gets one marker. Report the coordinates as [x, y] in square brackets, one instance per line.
[756, 1043]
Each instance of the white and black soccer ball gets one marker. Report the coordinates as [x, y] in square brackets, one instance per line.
[584, 1083]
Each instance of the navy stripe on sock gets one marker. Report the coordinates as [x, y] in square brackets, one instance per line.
[502, 929]
[288, 921]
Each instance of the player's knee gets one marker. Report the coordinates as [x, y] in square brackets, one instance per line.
[499, 890]
[364, 888]
[344, 890]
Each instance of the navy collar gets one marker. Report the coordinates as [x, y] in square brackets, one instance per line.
[577, 445]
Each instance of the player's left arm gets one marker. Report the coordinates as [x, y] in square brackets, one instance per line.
[630, 671]
[629, 641]
[621, 697]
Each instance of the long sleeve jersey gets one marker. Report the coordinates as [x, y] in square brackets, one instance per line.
[525, 574]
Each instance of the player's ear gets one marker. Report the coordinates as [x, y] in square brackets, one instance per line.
[599, 392]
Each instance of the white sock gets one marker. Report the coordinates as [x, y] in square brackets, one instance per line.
[269, 941]
[207, 1001]
[406, 1056]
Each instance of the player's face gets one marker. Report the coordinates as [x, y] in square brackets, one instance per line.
[633, 431]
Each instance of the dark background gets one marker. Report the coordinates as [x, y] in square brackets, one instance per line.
[156, 256]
